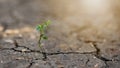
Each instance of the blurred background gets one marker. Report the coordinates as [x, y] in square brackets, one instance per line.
[83, 33]
[83, 18]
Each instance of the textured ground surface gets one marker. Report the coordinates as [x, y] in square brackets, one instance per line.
[67, 46]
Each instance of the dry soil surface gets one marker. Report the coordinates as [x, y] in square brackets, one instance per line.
[68, 46]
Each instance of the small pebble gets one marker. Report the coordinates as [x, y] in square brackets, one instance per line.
[23, 50]
[26, 29]
[19, 58]
[12, 31]
[96, 66]
[32, 36]
[9, 41]
[60, 66]
[1, 28]
[20, 35]
[1, 61]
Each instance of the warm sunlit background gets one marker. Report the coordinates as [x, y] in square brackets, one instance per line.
[98, 17]
[86, 18]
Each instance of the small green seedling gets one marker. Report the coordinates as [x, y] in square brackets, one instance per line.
[41, 29]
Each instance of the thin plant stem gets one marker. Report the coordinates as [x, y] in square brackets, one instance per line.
[40, 46]
[39, 41]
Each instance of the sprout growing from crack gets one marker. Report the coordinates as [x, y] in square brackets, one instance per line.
[41, 29]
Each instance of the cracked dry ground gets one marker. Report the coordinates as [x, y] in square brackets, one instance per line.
[68, 46]
[18, 49]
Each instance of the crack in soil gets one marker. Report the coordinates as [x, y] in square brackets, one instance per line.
[98, 55]
[97, 52]
[30, 64]
[45, 54]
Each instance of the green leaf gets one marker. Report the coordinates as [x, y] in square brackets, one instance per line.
[43, 26]
[44, 37]
[38, 28]
[47, 22]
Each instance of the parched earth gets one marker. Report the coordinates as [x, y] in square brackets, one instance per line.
[68, 46]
